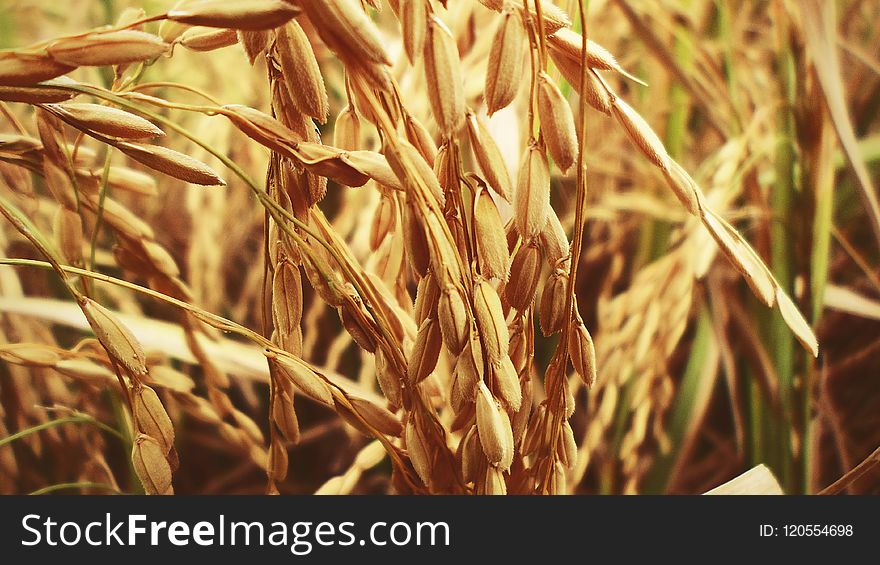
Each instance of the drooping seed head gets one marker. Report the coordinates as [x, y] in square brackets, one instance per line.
[29, 95]
[172, 163]
[520, 349]
[493, 426]
[504, 73]
[554, 17]
[525, 270]
[347, 129]
[582, 353]
[151, 466]
[59, 184]
[389, 378]
[494, 482]
[411, 168]
[284, 415]
[268, 131]
[276, 466]
[413, 22]
[383, 222]
[490, 321]
[593, 90]
[559, 480]
[796, 322]
[151, 418]
[69, 233]
[489, 235]
[445, 89]
[300, 71]
[425, 352]
[32, 354]
[685, 188]
[378, 417]
[255, 43]
[507, 384]
[471, 454]
[204, 39]
[116, 338]
[252, 15]
[419, 453]
[554, 241]
[287, 299]
[521, 417]
[417, 134]
[454, 319]
[441, 167]
[326, 283]
[442, 247]
[531, 201]
[489, 157]
[418, 254]
[107, 48]
[468, 373]
[569, 44]
[568, 450]
[374, 165]
[552, 310]
[25, 69]
[347, 30]
[130, 180]
[641, 134]
[357, 324]
[302, 376]
[105, 120]
[743, 257]
[557, 123]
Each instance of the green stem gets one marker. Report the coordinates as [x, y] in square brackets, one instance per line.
[758, 412]
[84, 484]
[212, 319]
[99, 213]
[693, 390]
[556, 374]
[78, 419]
[726, 36]
[782, 200]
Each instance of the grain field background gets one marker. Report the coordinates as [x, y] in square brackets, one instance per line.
[427, 246]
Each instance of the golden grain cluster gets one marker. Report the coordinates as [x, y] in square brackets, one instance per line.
[468, 263]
